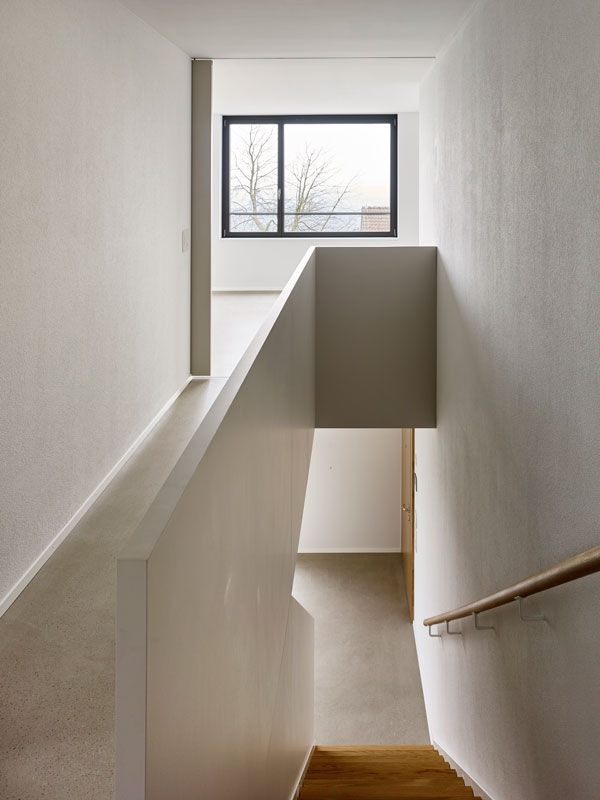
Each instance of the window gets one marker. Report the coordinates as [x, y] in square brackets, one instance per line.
[309, 176]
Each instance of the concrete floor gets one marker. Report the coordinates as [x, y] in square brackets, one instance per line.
[367, 681]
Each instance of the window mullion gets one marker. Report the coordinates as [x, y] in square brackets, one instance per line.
[280, 197]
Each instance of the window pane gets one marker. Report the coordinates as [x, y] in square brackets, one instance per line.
[253, 223]
[253, 177]
[337, 167]
[368, 221]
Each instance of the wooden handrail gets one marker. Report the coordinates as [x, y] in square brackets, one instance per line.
[569, 570]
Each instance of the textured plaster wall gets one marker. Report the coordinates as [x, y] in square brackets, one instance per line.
[94, 301]
[509, 482]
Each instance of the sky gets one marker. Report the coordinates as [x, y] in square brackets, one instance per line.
[361, 151]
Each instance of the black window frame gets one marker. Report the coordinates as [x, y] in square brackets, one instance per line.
[281, 121]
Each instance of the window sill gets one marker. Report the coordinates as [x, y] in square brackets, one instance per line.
[308, 237]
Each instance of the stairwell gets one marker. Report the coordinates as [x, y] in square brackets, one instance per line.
[381, 773]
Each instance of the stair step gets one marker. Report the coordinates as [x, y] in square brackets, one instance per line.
[357, 764]
[390, 793]
[324, 771]
[417, 775]
[381, 773]
[373, 750]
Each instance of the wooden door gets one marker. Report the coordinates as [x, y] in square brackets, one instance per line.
[408, 521]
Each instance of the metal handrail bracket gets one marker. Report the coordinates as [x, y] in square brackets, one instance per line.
[525, 617]
[481, 627]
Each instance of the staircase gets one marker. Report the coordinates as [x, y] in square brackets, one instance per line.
[380, 773]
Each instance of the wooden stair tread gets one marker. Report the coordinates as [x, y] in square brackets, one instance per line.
[406, 777]
[326, 772]
[389, 793]
[383, 755]
[403, 759]
[374, 748]
[374, 793]
[355, 764]
[392, 767]
[379, 772]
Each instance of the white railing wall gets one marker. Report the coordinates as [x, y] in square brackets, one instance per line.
[208, 635]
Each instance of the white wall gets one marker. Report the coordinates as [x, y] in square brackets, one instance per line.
[353, 494]
[94, 307]
[313, 86]
[508, 483]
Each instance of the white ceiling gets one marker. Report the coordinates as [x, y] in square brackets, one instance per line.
[304, 28]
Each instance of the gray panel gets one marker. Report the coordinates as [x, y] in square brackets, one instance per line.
[376, 337]
[201, 203]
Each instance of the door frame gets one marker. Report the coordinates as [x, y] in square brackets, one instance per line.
[407, 513]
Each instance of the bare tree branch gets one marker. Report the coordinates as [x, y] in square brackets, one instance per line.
[312, 185]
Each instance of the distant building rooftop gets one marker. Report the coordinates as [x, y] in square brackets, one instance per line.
[375, 218]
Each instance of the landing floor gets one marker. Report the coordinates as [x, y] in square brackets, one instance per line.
[367, 682]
